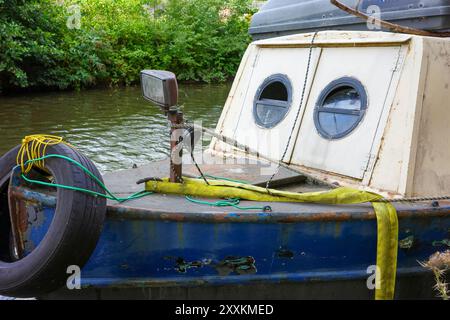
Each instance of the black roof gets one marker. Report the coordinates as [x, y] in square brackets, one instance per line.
[282, 17]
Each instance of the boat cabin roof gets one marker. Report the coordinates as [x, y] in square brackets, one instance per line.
[335, 39]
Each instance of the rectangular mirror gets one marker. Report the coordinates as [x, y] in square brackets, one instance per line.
[160, 87]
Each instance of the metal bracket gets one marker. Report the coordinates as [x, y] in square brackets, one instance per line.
[176, 148]
[18, 215]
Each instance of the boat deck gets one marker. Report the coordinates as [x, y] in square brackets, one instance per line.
[124, 183]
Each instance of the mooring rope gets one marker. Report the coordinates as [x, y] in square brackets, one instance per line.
[109, 195]
[32, 153]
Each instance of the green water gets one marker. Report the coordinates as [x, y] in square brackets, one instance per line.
[116, 128]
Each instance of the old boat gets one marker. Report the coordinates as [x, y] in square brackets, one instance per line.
[322, 111]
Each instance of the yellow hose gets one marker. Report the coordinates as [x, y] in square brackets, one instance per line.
[387, 222]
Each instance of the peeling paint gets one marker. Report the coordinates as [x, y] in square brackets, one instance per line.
[182, 265]
[443, 242]
[239, 265]
[406, 243]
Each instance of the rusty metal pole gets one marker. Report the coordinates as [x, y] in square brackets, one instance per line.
[176, 150]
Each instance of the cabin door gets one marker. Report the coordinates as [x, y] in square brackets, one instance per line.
[272, 99]
[348, 104]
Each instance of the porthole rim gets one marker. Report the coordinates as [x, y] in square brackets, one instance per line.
[277, 77]
[333, 85]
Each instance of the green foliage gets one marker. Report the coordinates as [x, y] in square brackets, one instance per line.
[202, 45]
[200, 40]
[38, 50]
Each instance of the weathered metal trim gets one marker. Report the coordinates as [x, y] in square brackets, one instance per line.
[125, 212]
[33, 196]
[121, 212]
[334, 45]
[239, 279]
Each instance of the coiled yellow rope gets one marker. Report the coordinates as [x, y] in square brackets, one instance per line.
[34, 147]
[33, 153]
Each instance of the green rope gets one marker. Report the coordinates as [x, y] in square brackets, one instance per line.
[234, 202]
[223, 178]
[109, 195]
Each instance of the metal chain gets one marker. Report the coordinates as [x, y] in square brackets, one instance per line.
[298, 111]
[416, 199]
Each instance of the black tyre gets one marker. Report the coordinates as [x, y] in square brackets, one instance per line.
[71, 237]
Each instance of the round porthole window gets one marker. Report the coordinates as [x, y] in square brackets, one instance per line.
[272, 101]
[340, 108]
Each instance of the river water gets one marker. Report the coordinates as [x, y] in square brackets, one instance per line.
[116, 128]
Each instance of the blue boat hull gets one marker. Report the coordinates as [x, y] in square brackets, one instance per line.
[299, 250]
[327, 257]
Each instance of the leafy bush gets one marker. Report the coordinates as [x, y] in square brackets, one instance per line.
[199, 40]
[38, 50]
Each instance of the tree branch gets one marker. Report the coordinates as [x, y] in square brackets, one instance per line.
[388, 25]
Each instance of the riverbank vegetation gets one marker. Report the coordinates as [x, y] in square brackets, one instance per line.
[63, 44]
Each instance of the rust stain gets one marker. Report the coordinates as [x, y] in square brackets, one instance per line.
[180, 234]
[337, 229]
[286, 231]
[125, 212]
[19, 221]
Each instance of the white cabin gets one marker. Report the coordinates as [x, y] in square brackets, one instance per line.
[375, 112]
